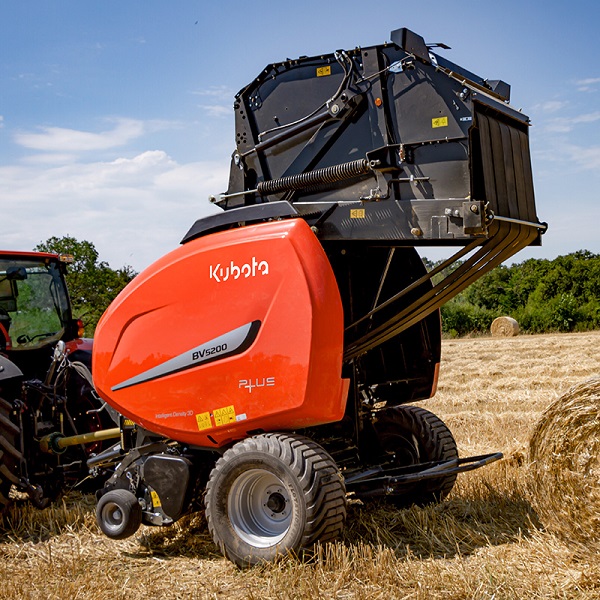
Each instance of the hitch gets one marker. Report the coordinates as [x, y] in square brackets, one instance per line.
[35, 493]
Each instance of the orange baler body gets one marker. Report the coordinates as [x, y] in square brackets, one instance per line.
[232, 333]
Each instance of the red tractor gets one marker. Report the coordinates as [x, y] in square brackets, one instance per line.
[46, 390]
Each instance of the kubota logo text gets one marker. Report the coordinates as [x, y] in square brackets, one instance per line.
[232, 271]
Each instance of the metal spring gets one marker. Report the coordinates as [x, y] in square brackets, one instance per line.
[332, 174]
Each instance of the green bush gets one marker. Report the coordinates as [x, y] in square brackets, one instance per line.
[461, 318]
[542, 295]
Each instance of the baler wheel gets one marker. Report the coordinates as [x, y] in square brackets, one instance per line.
[410, 435]
[10, 457]
[119, 514]
[274, 494]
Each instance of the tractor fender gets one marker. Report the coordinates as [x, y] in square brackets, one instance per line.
[80, 349]
[8, 369]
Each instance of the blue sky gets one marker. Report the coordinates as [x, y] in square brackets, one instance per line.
[116, 118]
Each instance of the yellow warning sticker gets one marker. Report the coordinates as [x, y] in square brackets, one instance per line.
[323, 71]
[357, 213]
[155, 499]
[439, 122]
[203, 420]
[224, 415]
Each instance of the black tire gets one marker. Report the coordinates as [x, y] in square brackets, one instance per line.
[10, 457]
[274, 494]
[409, 435]
[118, 514]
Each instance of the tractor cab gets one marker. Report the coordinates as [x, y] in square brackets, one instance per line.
[35, 311]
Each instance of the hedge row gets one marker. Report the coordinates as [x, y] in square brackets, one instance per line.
[542, 295]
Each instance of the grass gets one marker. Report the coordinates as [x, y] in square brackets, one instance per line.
[485, 541]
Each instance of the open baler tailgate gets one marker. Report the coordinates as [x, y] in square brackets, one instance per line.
[389, 146]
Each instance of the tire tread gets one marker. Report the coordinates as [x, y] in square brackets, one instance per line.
[435, 440]
[316, 473]
[10, 456]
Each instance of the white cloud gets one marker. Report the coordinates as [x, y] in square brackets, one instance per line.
[586, 158]
[51, 158]
[573, 158]
[221, 92]
[588, 118]
[566, 124]
[221, 104]
[585, 85]
[559, 126]
[133, 210]
[551, 106]
[217, 111]
[59, 139]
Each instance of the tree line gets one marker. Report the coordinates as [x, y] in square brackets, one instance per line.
[543, 296]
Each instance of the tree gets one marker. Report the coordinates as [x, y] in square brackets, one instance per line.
[543, 295]
[92, 284]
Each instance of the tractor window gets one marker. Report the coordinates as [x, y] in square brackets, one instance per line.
[34, 306]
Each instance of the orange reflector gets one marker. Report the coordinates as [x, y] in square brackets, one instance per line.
[436, 376]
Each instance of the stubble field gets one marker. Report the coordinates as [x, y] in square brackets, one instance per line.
[485, 541]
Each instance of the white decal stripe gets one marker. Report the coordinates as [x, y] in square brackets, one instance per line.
[225, 344]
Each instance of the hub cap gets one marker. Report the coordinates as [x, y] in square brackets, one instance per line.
[259, 508]
[112, 515]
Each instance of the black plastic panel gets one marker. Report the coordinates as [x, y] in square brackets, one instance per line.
[169, 476]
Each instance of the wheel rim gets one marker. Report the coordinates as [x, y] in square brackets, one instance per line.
[259, 507]
[112, 517]
[401, 449]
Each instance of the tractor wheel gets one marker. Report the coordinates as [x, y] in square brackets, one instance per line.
[10, 457]
[119, 514]
[274, 494]
[409, 435]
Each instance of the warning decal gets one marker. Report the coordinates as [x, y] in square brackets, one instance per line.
[225, 415]
[203, 420]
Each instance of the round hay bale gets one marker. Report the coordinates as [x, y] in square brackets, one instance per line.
[564, 456]
[504, 327]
